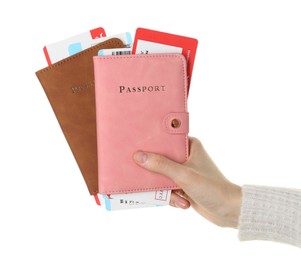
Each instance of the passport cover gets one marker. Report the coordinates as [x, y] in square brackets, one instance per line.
[141, 104]
[69, 86]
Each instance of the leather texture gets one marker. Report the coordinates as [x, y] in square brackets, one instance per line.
[69, 86]
[138, 97]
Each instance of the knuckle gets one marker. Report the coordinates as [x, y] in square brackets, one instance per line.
[197, 142]
[159, 163]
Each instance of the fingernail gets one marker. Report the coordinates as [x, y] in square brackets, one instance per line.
[180, 204]
[140, 157]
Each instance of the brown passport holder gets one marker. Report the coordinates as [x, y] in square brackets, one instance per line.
[69, 86]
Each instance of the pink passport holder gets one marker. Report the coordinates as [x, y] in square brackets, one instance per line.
[141, 104]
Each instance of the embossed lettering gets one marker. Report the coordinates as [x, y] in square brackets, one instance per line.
[141, 89]
[83, 87]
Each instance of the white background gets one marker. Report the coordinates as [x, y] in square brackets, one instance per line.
[244, 106]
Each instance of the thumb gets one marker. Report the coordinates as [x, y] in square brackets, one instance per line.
[160, 164]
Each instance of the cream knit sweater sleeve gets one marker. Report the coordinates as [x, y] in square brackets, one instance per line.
[269, 213]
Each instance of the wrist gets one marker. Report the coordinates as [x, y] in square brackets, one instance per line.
[232, 206]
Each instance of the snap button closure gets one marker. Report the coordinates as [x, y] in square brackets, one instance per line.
[175, 123]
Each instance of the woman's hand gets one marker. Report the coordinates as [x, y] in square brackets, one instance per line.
[202, 184]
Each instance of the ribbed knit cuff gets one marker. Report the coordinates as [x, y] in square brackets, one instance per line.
[269, 213]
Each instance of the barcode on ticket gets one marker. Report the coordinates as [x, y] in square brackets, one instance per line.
[115, 52]
[121, 52]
